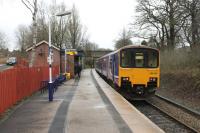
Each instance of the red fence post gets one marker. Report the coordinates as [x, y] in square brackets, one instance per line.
[1, 94]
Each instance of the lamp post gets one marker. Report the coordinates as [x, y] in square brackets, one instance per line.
[65, 60]
[61, 37]
[50, 58]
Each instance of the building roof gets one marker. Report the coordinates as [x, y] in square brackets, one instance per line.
[40, 43]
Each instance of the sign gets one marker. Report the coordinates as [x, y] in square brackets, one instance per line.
[71, 52]
[50, 58]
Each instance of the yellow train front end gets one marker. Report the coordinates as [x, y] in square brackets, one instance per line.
[139, 71]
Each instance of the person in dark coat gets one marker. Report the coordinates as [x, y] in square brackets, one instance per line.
[79, 68]
[76, 69]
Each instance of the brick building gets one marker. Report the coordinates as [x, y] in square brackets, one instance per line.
[41, 54]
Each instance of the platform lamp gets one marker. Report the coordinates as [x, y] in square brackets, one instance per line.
[50, 57]
[61, 15]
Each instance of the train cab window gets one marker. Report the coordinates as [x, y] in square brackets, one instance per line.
[126, 56]
[139, 59]
[152, 59]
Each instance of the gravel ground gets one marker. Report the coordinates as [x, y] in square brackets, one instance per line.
[165, 122]
[179, 114]
[183, 88]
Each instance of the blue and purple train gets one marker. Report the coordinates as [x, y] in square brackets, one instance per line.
[133, 69]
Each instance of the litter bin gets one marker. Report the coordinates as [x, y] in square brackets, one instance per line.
[67, 75]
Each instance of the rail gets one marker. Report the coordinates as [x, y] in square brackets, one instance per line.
[192, 111]
[177, 106]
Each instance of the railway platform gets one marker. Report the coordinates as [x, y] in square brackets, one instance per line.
[85, 105]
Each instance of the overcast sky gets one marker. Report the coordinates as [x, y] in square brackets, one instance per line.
[104, 19]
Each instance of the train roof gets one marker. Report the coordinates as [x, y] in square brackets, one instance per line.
[128, 46]
[137, 46]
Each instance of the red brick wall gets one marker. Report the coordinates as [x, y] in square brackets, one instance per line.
[41, 54]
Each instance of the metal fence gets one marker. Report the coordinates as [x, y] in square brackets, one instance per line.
[18, 83]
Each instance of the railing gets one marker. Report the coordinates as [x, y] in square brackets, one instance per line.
[20, 82]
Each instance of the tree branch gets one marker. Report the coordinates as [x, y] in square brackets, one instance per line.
[30, 3]
[27, 6]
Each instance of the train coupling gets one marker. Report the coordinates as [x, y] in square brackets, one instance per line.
[139, 90]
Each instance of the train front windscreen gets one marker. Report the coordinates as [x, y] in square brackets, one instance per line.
[139, 58]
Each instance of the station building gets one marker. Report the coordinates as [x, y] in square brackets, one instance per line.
[68, 59]
[41, 54]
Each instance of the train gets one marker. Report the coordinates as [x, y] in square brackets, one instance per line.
[132, 69]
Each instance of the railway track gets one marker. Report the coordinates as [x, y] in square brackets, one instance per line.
[189, 110]
[184, 115]
[179, 113]
[160, 118]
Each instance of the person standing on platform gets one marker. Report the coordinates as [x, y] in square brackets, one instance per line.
[79, 68]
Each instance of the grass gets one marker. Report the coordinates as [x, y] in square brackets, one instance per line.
[180, 62]
[180, 74]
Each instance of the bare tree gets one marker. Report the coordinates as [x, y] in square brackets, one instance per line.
[88, 48]
[3, 40]
[74, 32]
[58, 26]
[161, 20]
[42, 22]
[124, 39]
[22, 36]
[191, 28]
[91, 46]
[32, 6]
[150, 22]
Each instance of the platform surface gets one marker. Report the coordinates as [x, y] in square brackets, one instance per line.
[79, 106]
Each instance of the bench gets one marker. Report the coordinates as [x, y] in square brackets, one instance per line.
[56, 82]
[61, 79]
[44, 86]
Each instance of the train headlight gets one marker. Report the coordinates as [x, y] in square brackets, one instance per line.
[153, 79]
[125, 78]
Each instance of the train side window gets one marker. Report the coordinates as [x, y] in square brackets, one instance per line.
[139, 59]
[110, 63]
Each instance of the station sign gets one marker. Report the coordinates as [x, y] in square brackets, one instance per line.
[50, 59]
[71, 52]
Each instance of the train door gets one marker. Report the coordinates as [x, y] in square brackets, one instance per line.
[113, 67]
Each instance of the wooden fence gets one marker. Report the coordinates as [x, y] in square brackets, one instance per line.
[20, 82]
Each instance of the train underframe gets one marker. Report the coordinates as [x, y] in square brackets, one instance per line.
[133, 92]
[137, 91]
